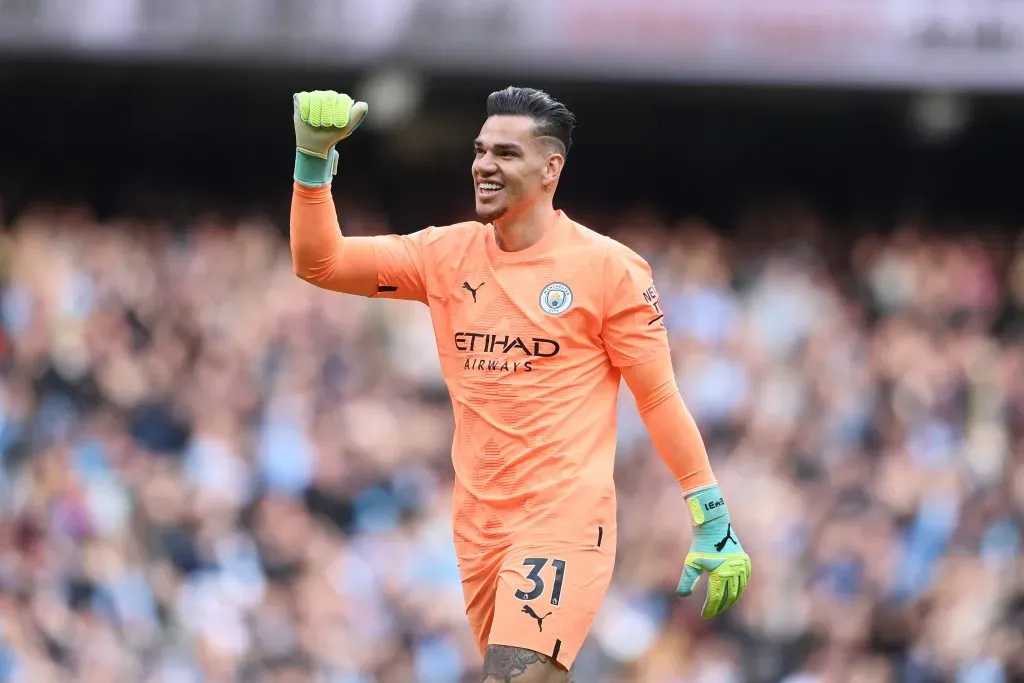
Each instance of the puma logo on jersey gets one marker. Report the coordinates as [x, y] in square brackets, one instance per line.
[472, 290]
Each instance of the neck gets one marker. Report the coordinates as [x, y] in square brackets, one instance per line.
[515, 232]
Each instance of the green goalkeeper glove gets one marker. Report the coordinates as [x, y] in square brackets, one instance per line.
[716, 550]
[322, 119]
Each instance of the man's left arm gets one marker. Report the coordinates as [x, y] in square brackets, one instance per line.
[636, 341]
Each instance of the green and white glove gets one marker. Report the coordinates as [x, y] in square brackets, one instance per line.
[322, 119]
[716, 550]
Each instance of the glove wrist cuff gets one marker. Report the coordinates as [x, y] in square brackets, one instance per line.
[315, 171]
[705, 505]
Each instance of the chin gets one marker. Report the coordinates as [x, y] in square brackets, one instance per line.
[490, 213]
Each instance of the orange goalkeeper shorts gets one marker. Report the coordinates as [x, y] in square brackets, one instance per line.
[541, 597]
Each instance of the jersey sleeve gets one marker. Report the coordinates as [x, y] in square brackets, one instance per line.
[387, 266]
[401, 262]
[633, 330]
[670, 425]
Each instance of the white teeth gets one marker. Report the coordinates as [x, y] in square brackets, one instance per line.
[490, 186]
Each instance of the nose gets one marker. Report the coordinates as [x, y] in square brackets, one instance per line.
[484, 165]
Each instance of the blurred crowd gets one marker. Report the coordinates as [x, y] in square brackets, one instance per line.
[213, 471]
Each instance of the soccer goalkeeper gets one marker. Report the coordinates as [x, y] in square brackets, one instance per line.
[537, 319]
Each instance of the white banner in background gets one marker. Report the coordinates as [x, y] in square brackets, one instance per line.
[875, 41]
[953, 43]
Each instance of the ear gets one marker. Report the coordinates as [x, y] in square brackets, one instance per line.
[552, 170]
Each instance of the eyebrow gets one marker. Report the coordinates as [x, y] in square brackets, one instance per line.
[501, 146]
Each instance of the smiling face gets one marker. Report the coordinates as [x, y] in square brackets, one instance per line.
[513, 167]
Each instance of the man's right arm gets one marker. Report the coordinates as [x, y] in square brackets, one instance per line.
[389, 266]
[320, 255]
[385, 266]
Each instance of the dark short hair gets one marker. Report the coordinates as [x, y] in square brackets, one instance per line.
[551, 118]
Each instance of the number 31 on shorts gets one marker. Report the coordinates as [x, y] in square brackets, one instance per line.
[536, 565]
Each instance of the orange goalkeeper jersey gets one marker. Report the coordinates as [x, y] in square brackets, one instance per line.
[530, 344]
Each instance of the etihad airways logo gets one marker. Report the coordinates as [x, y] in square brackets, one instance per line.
[506, 352]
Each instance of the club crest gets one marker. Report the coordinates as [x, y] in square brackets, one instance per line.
[556, 298]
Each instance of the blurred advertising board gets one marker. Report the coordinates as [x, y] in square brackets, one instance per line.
[932, 43]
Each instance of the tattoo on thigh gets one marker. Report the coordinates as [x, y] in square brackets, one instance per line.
[509, 663]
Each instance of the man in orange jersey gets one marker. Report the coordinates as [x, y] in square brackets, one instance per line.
[537, 319]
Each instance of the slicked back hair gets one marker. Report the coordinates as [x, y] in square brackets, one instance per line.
[551, 118]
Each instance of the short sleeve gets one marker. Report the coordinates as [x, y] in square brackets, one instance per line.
[633, 330]
[401, 265]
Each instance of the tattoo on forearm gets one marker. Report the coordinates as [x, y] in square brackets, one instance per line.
[509, 663]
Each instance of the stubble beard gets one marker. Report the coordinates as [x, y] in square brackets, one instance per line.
[491, 215]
